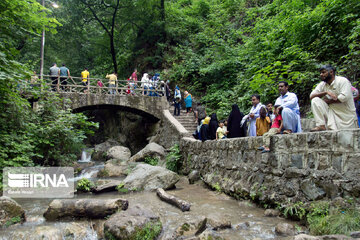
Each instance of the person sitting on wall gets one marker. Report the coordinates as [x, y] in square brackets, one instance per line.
[204, 130]
[332, 102]
[263, 122]
[220, 132]
[290, 112]
[276, 128]
[254, 114]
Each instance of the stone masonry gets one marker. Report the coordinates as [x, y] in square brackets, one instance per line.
[300, 167]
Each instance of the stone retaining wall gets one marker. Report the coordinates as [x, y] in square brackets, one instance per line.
[301, 167]
[170, 131]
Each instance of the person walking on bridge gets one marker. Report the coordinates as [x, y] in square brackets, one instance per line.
[64, 75]
[112, 82]
[54, 75]
[85, 75]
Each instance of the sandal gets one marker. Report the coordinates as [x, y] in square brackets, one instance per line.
[318, 129]
[265, 151]
[287, 131]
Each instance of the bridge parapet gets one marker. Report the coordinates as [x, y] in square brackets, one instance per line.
[141, 104]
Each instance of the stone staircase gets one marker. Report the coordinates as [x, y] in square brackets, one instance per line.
[187, 120]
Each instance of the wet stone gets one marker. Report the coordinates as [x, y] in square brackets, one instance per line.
[337, 163]
[297, 160]
[311, 191]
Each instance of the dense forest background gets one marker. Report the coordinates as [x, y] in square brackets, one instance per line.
[221, 51]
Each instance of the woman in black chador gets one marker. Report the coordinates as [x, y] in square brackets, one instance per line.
[234, 128]
[213, 125]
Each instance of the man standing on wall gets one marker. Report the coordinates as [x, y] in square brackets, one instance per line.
[332, 102]
[290, 112]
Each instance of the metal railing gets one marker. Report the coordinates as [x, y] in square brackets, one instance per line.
[101, 86]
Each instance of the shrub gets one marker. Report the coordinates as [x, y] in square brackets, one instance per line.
[151, 160]
[84, 185]
[173, 159]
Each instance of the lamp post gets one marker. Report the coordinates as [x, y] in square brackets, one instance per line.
[43, 42]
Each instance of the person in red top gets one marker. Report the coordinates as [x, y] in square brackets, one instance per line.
[275, 129]
[133, 81]
[134, 75]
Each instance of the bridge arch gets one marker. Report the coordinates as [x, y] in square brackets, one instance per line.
[147, 106]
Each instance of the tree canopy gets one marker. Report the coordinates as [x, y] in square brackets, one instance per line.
[221, 51]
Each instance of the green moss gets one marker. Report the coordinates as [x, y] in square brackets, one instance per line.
[153, 161]
[109, 236]
[217, 187]
[149, 232]
[103, 173]
[121, 188]
[185, 227]
[12, 221]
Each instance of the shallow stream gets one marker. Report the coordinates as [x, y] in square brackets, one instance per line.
[248, 221]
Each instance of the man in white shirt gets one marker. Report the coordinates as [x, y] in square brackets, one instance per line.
[332, 102]
[290, 109]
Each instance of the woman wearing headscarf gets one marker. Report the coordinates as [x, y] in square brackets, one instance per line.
[188, 101]
[177, 101]
[204, 130]
[213, 125]
[234, 128]
[145, 83]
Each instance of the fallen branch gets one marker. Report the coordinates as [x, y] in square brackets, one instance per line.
[183, 205]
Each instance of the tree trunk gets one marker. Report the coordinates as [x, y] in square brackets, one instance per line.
[183, 205]
[84, 208]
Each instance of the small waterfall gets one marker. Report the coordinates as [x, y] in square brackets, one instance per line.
[88, 173]
[85, 156]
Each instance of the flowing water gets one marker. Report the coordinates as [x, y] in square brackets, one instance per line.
[248, 221]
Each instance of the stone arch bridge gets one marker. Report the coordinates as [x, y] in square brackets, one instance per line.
[147, 106]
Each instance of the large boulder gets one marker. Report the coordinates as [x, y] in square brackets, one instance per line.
[115, 168]
[285, 229]
[119, 153]
[10, 211]
[147, 177]
[106, 185]
[133, 224]
[84, 208]
[100, 150]
[60, 231]
[150, 150]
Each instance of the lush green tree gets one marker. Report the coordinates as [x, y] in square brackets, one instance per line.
[50, 136]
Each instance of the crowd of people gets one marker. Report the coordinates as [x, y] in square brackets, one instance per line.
[149, 85]
[334, 103]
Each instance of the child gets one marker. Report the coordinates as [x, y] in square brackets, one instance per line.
[275, 129]
[220, 133]
[262, 123]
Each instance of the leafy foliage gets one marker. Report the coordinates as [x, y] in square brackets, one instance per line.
[151, 160]
[84, 185]
[50, 136]
[323, 220]
[150, 231]
[12, 221]
[295, 211]
[173, 159]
